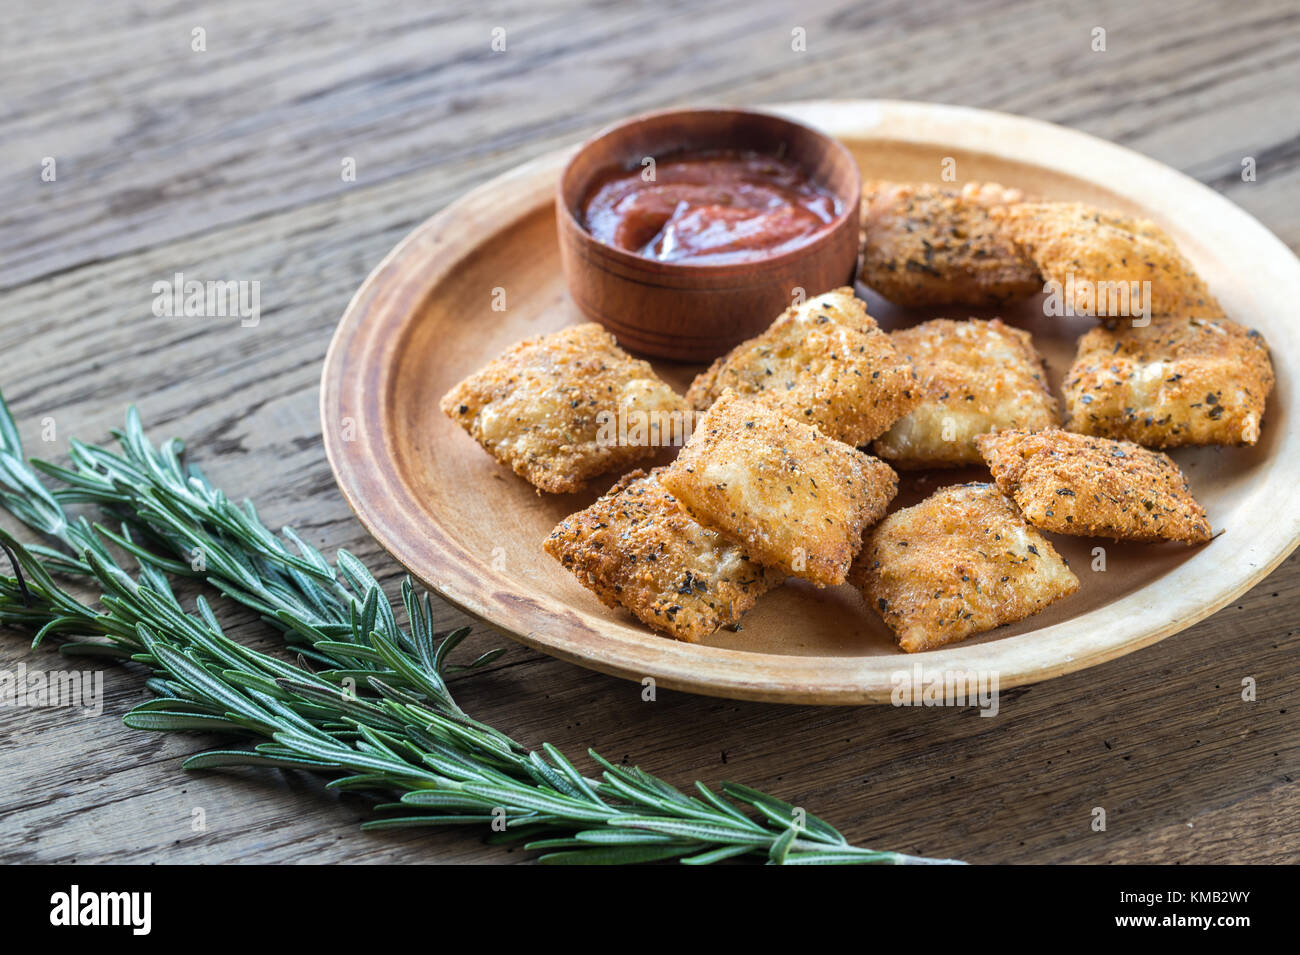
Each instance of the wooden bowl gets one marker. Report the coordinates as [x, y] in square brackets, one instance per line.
[694, 312]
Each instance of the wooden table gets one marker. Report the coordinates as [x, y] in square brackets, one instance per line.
[226, 163]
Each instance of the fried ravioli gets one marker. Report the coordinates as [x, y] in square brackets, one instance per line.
[924, 244]
[637, 548]
[1097, 253]
[794, 498]
[1094, 487]
[961, 562]
[824, 363]
[1177, 381]
[976, 376]
[551, 408]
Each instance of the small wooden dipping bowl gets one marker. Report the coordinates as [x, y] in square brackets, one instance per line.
[691, 311]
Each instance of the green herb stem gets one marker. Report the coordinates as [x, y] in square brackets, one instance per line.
[367, 702]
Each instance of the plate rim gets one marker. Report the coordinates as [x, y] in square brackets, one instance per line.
[753, 675]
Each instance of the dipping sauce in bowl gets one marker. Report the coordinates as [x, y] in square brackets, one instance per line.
[742, 213]
[709, 208]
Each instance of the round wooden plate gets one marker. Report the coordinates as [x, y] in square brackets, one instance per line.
[472, 531]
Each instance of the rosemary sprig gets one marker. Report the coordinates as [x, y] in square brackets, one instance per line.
[367, 701]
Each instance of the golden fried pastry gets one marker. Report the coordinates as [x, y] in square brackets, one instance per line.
[976, 376]
[1176, 381]
[824, 363]
[924, 244]
[794, 498]
[961, 562]
[1094, 256]
[564, 407]
[1094, 487]
[637, 548]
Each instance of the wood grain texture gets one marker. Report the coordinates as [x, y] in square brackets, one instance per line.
[228, 168]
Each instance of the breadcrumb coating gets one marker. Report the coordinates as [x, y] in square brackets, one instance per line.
[637, 548]
[794, 498]
[1177, 381]
[825, 363]
[976, 376]
[550, 408]
[1094, 487]
[924, 244]
[1084, 247]
[961, 562]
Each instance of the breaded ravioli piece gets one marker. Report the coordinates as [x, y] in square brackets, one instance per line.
[961, 562]
[924, 244]
[976, 376]
[1094, 487]
[637, 548]
[825, 363]
[1177, 381]
[793, 498]
[1082, 247]
[565, 407]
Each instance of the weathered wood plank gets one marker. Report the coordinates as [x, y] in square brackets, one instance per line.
[154, 141]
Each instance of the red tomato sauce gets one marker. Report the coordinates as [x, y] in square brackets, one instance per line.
[709, 208]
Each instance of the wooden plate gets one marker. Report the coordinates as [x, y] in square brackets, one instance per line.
[472, 531]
